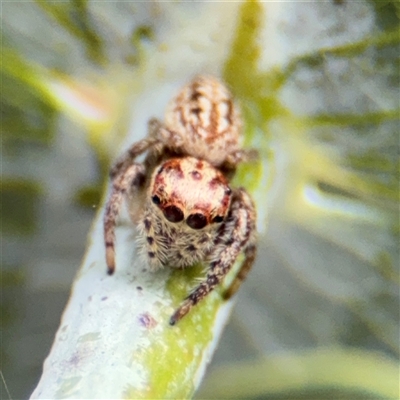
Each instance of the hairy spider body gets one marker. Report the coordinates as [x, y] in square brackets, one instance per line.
[204, 121]
[182, 202]
[179, 224]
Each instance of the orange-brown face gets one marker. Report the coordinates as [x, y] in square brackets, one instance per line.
[190, 190]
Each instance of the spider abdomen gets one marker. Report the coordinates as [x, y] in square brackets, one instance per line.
[204, 121]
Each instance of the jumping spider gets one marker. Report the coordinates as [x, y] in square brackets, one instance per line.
[185, 209]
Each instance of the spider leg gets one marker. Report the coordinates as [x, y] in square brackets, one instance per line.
[234, 159]
[127, 158]
[239, 235]
[243, 155]
[132, 175]
[153, 129]
[250, 253]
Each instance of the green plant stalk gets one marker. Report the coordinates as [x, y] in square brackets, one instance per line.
[115, 340]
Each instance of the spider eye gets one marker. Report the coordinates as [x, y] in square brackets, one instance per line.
[218, 219]
[173, 214]
[197, 221]
[156, 200]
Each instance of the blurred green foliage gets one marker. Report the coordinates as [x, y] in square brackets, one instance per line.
[75, 18]
[19, 200]
[25, 115]
[29, 117]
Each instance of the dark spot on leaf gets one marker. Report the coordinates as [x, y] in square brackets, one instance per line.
[147, 320]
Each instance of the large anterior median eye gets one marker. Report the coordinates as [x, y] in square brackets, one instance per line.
[173, 213]
[196, 221]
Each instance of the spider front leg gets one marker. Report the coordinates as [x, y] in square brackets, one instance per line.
[133, 175]
[238, 235]
[138, 148]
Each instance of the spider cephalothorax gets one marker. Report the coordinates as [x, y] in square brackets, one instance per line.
[187, 202]
[185, 208]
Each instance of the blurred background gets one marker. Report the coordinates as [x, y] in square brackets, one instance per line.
[318, 84]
